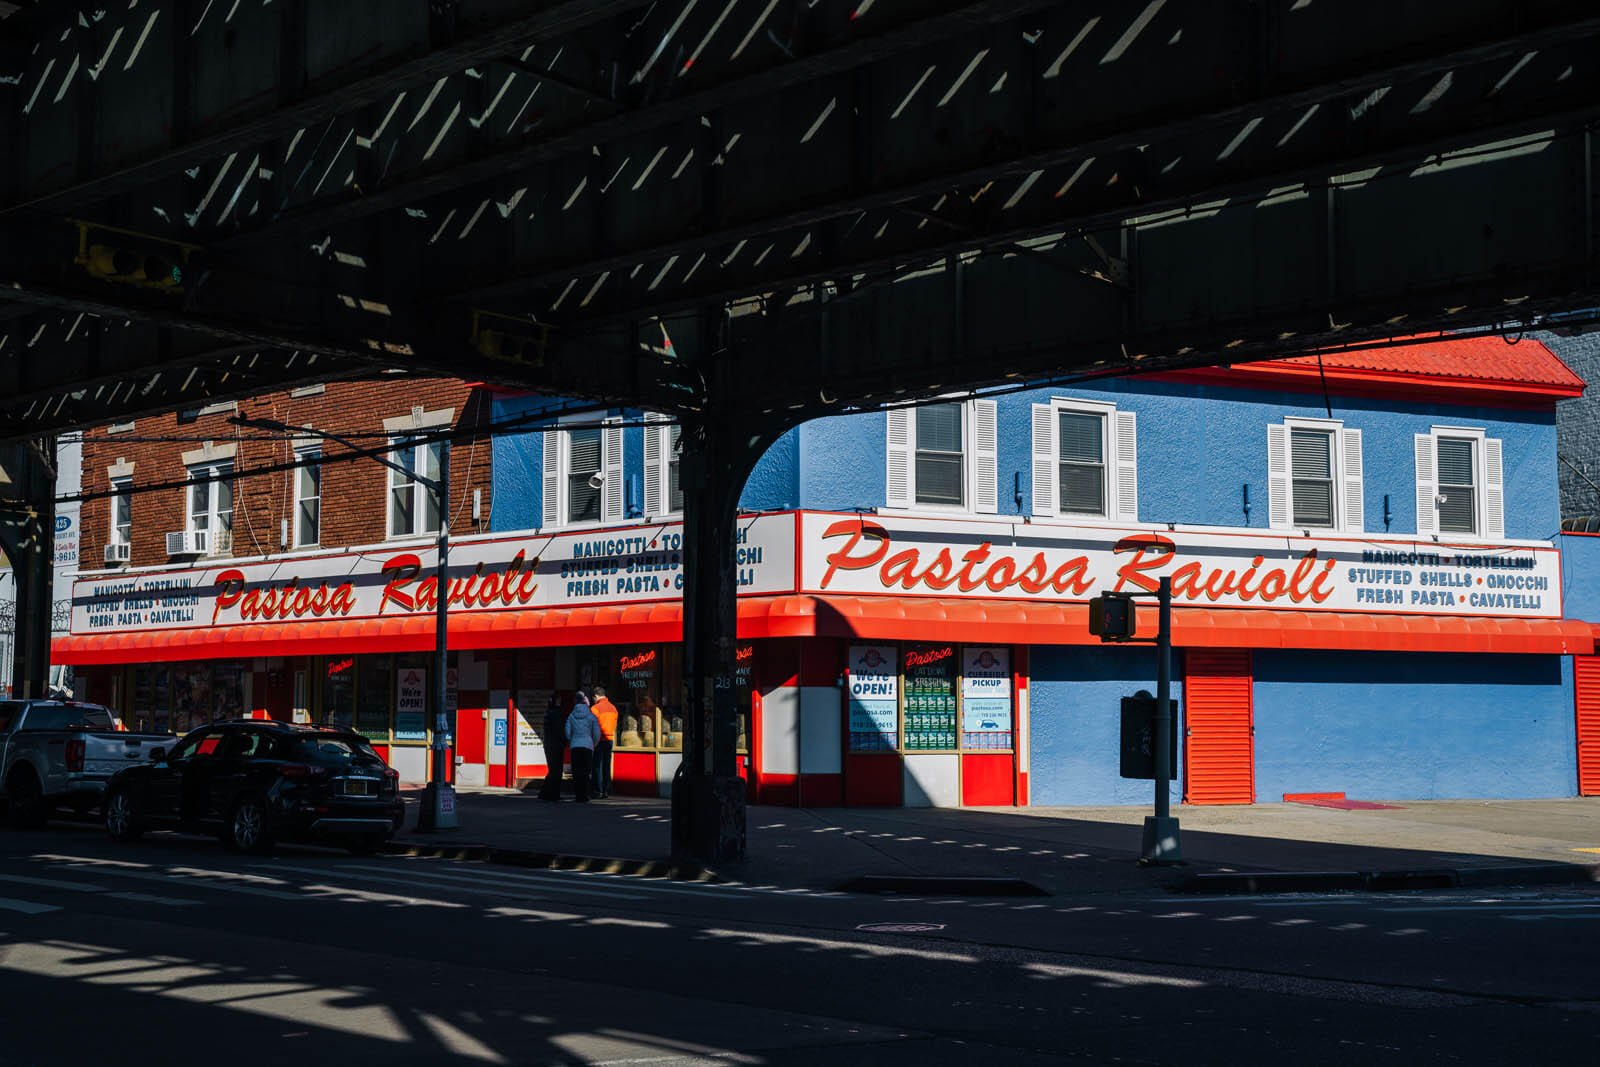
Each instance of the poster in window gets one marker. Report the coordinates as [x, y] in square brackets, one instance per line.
[874, 698]
[411, 704]
[930, 697]
[531, 705]
[986, 697]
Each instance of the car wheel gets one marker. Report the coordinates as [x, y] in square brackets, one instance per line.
[248, 830]
[28, 811]
[365, 844]
[121, 822]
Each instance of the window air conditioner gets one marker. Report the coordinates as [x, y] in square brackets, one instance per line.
[119, 553]
[187, 543]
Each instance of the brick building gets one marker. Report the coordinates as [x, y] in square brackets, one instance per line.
[236, 514]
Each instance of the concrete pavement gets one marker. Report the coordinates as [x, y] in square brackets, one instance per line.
[1061, 850]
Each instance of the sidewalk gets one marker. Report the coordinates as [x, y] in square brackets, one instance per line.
[1062, 850]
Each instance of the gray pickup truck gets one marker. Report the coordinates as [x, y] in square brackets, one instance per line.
[56, 754]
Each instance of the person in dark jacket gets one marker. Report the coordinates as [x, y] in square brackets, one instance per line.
[583, 734]
[555, 747]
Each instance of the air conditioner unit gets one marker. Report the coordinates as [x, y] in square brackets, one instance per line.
[119, 553]
[188, 543]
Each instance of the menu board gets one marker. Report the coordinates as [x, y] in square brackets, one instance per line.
[930, 697]
[874, 699]
[986, 698]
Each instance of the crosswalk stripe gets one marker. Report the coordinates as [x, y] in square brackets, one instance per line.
[202, 883]
[52, 883]
[478, 886]
[563, 881]
[27, 907]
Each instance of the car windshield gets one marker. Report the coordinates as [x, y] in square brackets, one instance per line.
[332, 750]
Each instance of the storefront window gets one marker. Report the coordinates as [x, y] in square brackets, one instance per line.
[669, 697]
[637, 696]
[152, 699]
[192, 703]
[985, 698]
[413, 696]
[373, 674]
[227, 692]
[874, 698]
[930, 697]
[339, 693]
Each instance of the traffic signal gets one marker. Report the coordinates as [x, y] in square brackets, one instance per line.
[128, 258]
[1111, 617]
[152, 270]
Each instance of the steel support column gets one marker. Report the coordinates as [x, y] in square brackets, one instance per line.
[708, 796]
[27, 535]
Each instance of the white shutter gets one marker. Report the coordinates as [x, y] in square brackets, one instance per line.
[1127, 467]
[1354, 517]
[611, 466]
[553, 442]
[985, 445]
[1044, 459]
[655, 466]
[1427, 485]
[900, 446]
[1278, 476]
[1494, 494]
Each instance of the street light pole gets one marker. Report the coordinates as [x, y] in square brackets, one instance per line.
[438, 811]
[1161, 841]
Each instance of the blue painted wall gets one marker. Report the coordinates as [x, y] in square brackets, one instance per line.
[1396, 726]
[1199, 447]
[1075, 722]
[1580, 576]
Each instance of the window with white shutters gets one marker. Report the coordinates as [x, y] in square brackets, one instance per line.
[583, 475]
[1460, 488]
[1314, 476]
[1085, 461]
[663, 491]
[943, 457]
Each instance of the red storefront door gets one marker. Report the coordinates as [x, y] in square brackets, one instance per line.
[1219, 736]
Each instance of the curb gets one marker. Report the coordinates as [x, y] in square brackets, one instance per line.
[555, 861]
[1388, 881]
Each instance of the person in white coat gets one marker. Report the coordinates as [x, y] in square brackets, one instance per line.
[583, 734]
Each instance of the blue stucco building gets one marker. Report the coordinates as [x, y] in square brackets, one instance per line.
[1372, 596]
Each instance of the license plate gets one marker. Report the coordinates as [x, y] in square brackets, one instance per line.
[358, 788]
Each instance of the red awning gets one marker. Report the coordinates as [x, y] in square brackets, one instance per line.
[880, 618]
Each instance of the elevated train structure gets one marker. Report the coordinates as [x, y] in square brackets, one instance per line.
[747, 213]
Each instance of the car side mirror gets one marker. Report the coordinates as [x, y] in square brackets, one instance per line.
[157, 755]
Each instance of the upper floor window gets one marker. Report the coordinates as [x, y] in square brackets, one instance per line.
[583, 475]
[210, 510]
[663, 489]
[1460, 483]
[122, 511]
[308, 498]
[585, 479]
[942, 456]
[413, 506]
[1314, 476]
[1085, 460]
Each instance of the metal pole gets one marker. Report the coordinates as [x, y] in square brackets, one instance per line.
[1161, 840]
[438, 800]
[1163, 703]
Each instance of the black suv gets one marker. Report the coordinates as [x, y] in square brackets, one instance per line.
[254, 783]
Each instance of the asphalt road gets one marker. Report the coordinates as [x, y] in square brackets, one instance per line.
[173, 949]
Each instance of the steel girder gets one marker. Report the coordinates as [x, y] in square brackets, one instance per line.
[1162, 183]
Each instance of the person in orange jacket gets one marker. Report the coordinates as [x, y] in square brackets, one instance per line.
[606, 712]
